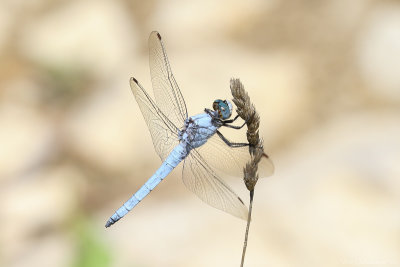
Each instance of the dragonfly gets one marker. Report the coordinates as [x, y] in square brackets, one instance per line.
[195, 140]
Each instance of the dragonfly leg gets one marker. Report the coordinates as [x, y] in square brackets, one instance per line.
[225, 123]
[229, 143]
[233, 126]
[230, 121]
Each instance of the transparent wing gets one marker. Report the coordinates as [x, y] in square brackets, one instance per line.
[199, 178]
[166, 91]
[163, 132]
[231, 160]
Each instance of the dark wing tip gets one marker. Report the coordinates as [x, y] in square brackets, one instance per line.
[158, 35]
[133, 79]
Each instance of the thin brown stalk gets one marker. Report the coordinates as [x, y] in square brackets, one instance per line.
[246, 110]
[247, 228]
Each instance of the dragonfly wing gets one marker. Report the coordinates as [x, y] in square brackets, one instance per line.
[231, 160]
[163, 132]
[166, 91]
[199, 178]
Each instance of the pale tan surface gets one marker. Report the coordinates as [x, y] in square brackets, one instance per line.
[325, 78]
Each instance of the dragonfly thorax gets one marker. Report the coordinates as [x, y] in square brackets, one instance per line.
[197, 129]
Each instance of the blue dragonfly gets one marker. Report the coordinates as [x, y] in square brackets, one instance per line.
[195, 140]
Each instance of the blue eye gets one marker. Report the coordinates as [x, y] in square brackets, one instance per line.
[223, 107]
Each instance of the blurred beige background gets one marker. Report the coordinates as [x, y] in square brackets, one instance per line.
[324, 76]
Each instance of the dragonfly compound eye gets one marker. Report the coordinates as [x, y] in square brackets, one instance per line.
[225, 109]
[216, 105]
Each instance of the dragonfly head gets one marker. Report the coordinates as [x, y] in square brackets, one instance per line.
[224, 108]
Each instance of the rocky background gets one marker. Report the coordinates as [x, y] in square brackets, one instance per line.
[324, 76]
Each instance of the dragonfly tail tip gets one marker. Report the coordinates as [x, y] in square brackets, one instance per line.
[109, 222]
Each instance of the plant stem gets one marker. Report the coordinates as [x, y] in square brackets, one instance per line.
[247, 227]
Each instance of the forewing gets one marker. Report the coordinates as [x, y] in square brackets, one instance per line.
[163, 132]
[199, 178]
[166, 91]
[231, 160]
